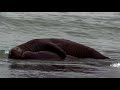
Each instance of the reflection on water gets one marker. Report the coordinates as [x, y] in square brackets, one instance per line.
[48, 68]
[69, 68]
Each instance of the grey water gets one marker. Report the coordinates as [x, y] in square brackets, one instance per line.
[99, 30]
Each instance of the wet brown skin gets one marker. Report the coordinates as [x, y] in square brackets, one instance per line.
[53, 48]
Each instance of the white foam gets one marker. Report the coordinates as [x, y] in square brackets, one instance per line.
[115, 65]
[6, 52]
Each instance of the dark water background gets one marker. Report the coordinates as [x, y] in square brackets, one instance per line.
[99, 30]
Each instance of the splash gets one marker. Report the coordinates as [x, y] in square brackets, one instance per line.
[117, 65]
[4, 53]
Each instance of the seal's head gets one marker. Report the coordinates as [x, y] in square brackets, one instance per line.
[15, 53]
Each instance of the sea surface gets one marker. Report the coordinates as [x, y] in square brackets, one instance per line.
[99, 30]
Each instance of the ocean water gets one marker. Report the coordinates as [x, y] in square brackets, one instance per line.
[99, 30]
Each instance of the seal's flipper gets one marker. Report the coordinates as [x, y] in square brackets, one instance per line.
[98, 55]
[40, 55]
[55, 49]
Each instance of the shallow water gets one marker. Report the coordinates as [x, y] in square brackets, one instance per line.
[99, 30]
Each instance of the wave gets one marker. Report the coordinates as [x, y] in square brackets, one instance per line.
[4, 53]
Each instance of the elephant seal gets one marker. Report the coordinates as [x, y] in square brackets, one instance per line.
[46, 48]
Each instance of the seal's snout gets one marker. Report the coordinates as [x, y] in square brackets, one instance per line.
[15, 53]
